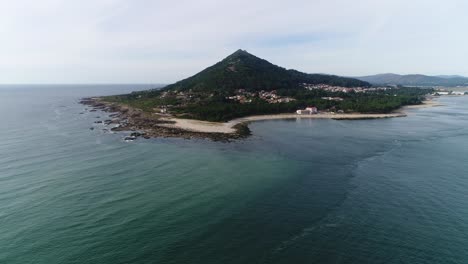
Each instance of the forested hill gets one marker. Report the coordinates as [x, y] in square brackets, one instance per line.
[242, 70]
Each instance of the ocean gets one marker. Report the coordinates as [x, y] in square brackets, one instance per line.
[297, 191]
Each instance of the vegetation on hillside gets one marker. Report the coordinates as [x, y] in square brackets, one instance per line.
[242, 70]
[218, 108]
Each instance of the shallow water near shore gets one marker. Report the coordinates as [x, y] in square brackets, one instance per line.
[297, 191]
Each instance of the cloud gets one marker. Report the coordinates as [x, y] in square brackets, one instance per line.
[59, 41]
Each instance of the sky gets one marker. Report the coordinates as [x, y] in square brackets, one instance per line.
[142, 41]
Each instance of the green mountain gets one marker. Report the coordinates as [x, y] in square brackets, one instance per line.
[415, 80]
[242, 70]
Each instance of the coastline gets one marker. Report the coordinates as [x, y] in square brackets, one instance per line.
[125, 118]
[429, 102]
[228, 127]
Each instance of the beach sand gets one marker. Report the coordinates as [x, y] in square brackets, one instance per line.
[201, 126]
[228, 127]
[425, 104]
[177, 127]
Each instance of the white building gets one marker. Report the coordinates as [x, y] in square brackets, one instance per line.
[311, 110]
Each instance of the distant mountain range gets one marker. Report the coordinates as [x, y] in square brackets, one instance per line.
[415, 80]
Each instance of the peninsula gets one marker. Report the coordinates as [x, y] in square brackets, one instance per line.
[219, 101]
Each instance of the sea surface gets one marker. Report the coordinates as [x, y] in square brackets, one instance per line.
[297, 191]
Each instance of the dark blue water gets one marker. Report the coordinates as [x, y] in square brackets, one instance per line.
[306, 191]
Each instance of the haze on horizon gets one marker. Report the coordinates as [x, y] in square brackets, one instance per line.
[141, 41]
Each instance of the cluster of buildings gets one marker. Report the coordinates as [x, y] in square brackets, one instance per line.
[445, 92]
[243, 99]
[271, 97]
[336, 89]
[177, 94]
[339, 99]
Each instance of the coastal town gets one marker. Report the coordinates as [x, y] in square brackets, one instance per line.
[445, 91]
[244, 96]
[340, 89]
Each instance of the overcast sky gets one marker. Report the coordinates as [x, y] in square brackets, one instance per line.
[142, 41]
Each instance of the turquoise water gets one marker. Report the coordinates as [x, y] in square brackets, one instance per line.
[307, 191]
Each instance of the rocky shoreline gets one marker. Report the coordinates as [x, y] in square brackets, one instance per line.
[153, 125]
[146, 125]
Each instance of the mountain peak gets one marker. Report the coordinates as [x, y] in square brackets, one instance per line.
[239, 54]
[242, 70]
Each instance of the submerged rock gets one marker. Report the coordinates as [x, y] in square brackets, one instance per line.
[137, 134]
[130, 138]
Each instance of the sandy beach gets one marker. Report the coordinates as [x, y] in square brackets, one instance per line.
[228, 127]
[425, 104]
[168, 126]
